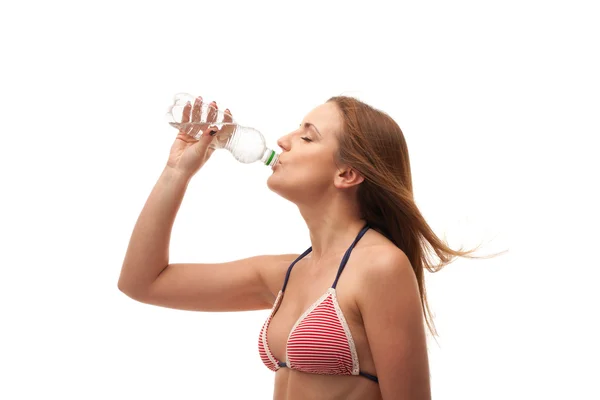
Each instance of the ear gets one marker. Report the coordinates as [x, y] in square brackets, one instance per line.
[347, 178]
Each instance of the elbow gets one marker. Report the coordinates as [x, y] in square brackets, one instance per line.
[135, 286]
[134, 295]
[127, 289]
[121, 287]
[124, 289]
[134, 292]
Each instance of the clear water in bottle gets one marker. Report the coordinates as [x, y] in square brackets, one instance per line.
[247, 145]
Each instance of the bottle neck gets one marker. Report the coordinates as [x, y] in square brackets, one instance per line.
[269, 157]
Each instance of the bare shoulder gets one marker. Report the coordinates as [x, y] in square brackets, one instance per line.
[386, 258]
[382, 264]
[381, 253]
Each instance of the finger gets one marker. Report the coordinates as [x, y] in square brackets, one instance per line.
[204, 145]
[227, 116]
[186, 112]
[212, 112]
[197, 110]
[185, 118]
[196, 116]
[211, 118]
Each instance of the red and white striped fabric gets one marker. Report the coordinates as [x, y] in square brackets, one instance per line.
[319, 343]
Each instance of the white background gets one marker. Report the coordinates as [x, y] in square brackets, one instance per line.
[499, 105]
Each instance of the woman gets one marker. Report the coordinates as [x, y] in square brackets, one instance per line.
[347, 313]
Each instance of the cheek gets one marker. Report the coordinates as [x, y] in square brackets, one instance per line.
[316, 175]
[319, 166]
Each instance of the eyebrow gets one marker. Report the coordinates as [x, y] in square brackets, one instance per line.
[313, 125]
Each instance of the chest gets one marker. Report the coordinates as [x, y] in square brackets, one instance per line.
[309, 308]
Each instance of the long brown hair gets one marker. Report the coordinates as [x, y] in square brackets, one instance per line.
[373, 144]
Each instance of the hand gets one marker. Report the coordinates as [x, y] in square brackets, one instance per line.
[187, 154]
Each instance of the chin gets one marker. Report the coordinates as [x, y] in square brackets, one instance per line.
[281, 187]
[274, 184]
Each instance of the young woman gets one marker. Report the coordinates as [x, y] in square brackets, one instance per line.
[347, 313]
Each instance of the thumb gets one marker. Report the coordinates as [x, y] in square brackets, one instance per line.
[201, 146]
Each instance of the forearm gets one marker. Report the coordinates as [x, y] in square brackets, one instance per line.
[148, 251]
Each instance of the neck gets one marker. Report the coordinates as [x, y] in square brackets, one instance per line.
[333, 223]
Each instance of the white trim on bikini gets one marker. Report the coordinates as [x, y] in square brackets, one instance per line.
[264, 334]
[355, 364]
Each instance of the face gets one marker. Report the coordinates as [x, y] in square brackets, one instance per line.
[307, 168]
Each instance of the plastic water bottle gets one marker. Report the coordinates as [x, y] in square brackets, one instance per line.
[247, 145]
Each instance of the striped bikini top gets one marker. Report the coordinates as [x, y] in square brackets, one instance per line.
[320, 341]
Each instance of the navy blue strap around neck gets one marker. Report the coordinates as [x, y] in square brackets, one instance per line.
[342, 264]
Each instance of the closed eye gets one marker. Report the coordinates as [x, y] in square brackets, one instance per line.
[308, 125]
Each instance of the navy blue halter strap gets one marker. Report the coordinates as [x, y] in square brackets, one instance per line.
[287, 275]
[342, 264]
[347, 255]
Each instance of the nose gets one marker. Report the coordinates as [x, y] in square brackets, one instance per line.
[283, 142]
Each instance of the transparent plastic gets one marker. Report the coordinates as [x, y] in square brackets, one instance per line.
[247, 145]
